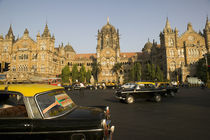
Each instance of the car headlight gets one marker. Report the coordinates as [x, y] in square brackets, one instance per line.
[108, 131]
[107, 112]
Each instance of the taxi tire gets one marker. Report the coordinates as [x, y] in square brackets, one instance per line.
[129, 99]
[172, 93]
[157, 98]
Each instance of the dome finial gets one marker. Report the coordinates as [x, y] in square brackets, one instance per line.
[107, 20]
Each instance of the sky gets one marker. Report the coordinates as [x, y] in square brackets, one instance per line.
[77, 21]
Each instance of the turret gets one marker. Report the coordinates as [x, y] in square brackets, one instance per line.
[189, 27]
[10, 34]
[38, 36]
[207, 34]
[26, 33]
[168, 36]
[46, 32]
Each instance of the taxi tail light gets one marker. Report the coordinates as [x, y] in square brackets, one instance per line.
[106, 129]
[108, 132]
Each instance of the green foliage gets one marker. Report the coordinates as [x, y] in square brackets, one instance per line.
[65, 74]
[96, 69]
[135, 72]
[132, 73]
[74, 73]
[148, 71]
[153, 73]
[82, 74]
[201, 70]
[117, 68]
[159, 74]
[88, 76]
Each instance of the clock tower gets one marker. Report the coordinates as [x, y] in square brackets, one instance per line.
[108, 51]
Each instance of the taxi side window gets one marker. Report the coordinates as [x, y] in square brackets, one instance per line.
[12, 105]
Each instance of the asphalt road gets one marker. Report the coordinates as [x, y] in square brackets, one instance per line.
[185, 116]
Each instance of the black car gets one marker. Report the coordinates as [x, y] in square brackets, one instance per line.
[129, 95]
[170, 90]
[37, 111]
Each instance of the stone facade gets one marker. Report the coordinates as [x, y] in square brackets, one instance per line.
[177, 55]
[30, 58]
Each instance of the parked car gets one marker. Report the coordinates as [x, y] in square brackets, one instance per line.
[129, 95]
[111, 85]
[89, 86]
[37, 111]
[67, 86]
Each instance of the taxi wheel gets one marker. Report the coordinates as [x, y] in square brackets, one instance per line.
[129, 99]
[172, 94]
[157, 98]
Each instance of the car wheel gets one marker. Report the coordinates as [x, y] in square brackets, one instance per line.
[172, 93]
[157, 98]
[130, 99]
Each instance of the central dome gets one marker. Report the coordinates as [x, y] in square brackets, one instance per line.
[108, 27]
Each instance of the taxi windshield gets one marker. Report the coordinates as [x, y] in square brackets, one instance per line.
[54, 103]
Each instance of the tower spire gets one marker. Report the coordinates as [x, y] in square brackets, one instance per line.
[167, 24]
[46, 32]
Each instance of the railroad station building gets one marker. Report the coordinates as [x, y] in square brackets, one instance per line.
[176, 54]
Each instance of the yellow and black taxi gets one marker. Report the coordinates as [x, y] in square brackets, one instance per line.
[111, 85]
[37, 111]
[129, 95]
[170, 89]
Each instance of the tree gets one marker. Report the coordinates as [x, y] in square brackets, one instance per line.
[201, 70]
[65, 74]
[153, 72]
[117, 68]
[138, 70]
[75, 73]
[148, 71]
[82, 74]
[159, 74]
[88, 76]
[132, 73]
[96, 69]
[135, 72]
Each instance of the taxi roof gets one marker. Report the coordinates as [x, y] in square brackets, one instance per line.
[145, 83]
[29, 89]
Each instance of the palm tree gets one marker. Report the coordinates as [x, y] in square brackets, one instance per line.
[117, 68]
[96, 69]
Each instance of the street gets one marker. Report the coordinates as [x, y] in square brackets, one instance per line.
[185, 116]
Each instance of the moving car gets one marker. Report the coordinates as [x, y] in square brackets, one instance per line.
[127, 85]
[37, 111]
[170, 89]
[129, 95]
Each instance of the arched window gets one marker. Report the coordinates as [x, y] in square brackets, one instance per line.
[173, 66]
[170, 42]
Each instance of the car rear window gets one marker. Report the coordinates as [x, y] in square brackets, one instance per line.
[12, 105]
[55, 103]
